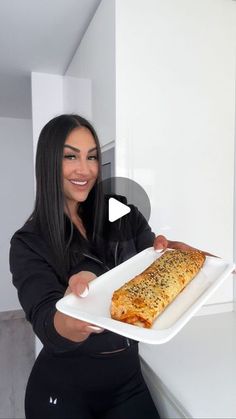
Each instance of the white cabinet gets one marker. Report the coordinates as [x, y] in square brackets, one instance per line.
[193, 375]
[167, 405]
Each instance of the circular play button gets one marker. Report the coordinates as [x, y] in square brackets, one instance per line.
[123, 192]
[116, 209]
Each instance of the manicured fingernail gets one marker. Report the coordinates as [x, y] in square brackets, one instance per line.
[95, 328]
[84, 293]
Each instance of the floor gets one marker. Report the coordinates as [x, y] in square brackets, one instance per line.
[17, 343]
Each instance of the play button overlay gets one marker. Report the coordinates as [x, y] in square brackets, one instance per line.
[122, 195]
[127, 211]
[116, 209]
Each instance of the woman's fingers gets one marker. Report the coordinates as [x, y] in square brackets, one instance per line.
[78, 283]
[79, 287]
[94, 329]
[180, 246]
[160, 243]
[86, 328]
[69, 327]
[74, 329]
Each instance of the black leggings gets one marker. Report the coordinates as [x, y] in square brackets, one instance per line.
[98, 386]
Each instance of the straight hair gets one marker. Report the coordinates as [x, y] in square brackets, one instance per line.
[49, 209]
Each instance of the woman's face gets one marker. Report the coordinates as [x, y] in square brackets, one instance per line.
[80, 165]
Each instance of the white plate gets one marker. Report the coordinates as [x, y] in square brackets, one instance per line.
[95, 308]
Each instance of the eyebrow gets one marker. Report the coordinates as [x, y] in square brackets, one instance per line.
[77, 149]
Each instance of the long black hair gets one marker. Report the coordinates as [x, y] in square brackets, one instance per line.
[49, 206]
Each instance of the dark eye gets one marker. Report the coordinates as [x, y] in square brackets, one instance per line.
[92, 158]
[69, 156]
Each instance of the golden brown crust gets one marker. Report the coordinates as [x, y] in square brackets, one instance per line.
[144, 297]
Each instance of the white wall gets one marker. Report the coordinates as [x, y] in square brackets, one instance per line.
[16, 185]
[53, 95]
[47, 100]
[175, 116]
[95, 60]
[77, 96]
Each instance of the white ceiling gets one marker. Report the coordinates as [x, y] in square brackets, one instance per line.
[37, 35]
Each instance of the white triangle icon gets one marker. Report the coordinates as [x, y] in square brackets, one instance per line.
[116, 209]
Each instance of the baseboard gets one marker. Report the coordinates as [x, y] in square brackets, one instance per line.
[11, 315]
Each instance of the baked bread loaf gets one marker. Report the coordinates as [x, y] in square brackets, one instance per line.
[145, 297]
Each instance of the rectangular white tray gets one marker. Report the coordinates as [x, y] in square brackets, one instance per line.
[95, 308]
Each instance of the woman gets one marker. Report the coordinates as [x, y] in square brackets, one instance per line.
[82, 370]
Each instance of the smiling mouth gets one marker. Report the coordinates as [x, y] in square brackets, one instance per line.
[80, 183]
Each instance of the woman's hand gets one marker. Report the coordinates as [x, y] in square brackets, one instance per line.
[69, 327]
[78, 283]
[161, 243]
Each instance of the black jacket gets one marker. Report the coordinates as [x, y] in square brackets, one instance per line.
[40, 284]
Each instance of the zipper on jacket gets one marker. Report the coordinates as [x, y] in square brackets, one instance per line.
[128, 342]
[116, 253]
[100, 261]
[97, 260]
[116, 248]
